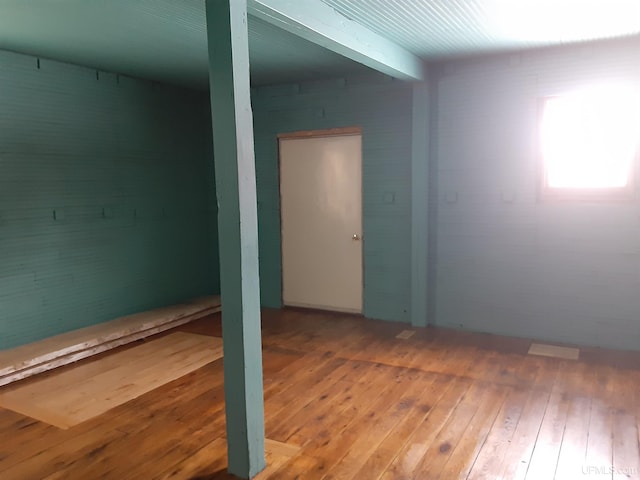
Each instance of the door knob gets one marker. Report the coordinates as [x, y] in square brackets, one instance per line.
[355, 237]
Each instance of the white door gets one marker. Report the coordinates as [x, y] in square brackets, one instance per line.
[321, 214]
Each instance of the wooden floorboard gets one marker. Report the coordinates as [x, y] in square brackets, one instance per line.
[347, 400]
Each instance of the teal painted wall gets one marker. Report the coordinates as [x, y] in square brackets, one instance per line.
[106, 197]
[383, 109]
[505, 262]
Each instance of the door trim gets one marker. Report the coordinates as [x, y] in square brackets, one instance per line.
[329, 132]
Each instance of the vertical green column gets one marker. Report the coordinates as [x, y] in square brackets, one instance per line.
[238, 233]
[419, 203]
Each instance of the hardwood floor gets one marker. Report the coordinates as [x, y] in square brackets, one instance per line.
[345, 399]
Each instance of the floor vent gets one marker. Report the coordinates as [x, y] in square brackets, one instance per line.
[405, 334]
[554, 351]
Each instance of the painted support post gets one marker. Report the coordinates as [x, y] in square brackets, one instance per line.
[238, 233]
[419, 204]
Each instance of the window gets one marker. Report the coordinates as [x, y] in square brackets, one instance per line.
[589, 144]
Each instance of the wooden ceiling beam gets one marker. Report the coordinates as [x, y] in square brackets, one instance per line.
[319, 23]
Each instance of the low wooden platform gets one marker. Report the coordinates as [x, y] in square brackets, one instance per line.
[38, 357]
[69, 397]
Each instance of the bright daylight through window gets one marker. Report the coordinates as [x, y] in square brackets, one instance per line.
[589, 143]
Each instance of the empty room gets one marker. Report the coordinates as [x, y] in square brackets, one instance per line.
[319, 239]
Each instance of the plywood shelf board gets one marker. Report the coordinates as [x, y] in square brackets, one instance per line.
[38, 357]
[71, 397]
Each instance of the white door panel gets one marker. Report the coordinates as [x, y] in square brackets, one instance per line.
[321, 211]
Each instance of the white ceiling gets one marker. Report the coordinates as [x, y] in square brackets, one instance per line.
[165, 40]
[435, 29]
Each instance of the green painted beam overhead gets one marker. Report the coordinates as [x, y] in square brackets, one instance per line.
[314, 21]
[277, 56]
[163, 40]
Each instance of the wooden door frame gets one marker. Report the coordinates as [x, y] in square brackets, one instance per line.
[307, 134]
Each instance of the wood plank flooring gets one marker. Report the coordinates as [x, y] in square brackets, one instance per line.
[346, 399]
